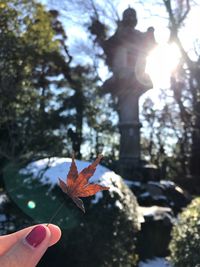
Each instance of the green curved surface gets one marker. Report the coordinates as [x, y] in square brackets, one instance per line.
[39, 201]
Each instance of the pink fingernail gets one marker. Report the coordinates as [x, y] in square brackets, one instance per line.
[36, 236]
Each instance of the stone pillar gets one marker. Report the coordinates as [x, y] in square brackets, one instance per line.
[130, 142]
[129, 126]
[129, 147]
[126, 53]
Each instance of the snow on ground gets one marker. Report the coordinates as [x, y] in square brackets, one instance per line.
[3, 199]
[157, 262]
[50, 169]
[154, 210]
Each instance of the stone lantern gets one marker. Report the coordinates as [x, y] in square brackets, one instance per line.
[126, 53]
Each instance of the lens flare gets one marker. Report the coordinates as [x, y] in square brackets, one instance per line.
[161, 62]
[31, 204]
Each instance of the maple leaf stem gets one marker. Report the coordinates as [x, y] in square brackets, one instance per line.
[54, 215]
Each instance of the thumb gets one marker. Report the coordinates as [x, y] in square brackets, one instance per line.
[28, 250]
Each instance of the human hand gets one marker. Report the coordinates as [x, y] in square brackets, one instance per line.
[26, 247]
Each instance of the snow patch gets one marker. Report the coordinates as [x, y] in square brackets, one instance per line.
[97, 197]
[153, 210]
[3, 199]
[157, 262]
[118, 204]
[48, 171]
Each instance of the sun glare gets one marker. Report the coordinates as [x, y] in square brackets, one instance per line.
[161, 62]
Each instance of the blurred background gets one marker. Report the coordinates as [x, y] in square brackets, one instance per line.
[65, 87]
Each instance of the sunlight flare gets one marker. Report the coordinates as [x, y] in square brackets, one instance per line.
[161, 62]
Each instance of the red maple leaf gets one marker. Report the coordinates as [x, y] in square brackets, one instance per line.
[77, 184]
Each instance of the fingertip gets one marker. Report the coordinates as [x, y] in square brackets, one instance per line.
[55, 233]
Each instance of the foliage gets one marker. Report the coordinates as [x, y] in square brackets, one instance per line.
[165, 141]
[48, 106]
[174, 127]
[185, 85]
[105, 235]
[185, 244]
[29, 54]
